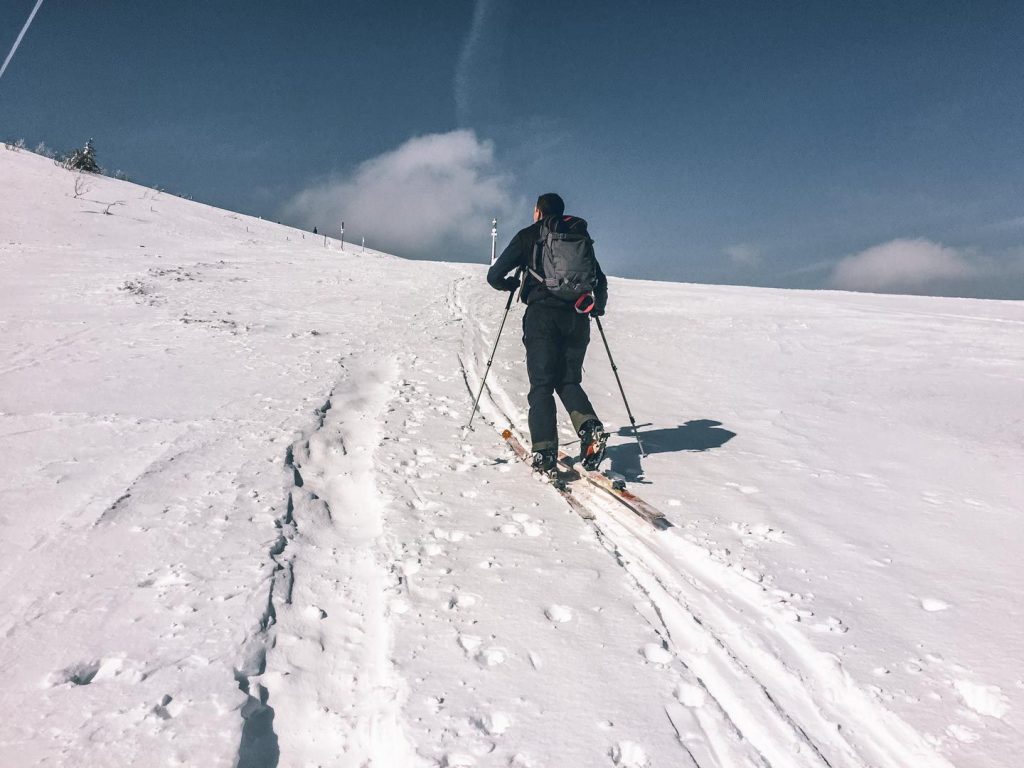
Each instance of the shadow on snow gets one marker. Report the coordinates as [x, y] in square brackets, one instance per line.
[698, 435]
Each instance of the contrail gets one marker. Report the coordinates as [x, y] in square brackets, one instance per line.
[462, 70]
[21, 35]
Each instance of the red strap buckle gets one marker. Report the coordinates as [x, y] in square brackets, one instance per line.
[585, 304]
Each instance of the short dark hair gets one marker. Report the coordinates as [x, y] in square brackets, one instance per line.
[550, 204]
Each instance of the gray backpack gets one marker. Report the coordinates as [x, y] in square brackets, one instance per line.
[563, 258]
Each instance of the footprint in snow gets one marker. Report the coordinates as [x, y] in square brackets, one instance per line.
[461, 600]
[962, 734]
[932, 604]
[315, 612]
[831, 624]
[690, 695]
[522, 524]
[166, 709]
[530, 527]
[559, 613]
[629, 754]
[76, 674]
[100, 670]
[495, 723]
[492, 657]
[452, 536]
[434, 704]
[657, 654]
[409, 567]
[984, 699]
[747, 490]
[758, 533]
[431, 549]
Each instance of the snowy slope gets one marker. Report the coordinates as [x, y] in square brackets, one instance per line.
[242, 524]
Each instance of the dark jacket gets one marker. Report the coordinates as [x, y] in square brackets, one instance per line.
[519, 254]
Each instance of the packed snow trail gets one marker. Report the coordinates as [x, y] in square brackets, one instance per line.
[338, 698]
[242, 526]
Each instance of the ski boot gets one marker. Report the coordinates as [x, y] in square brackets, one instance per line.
[545, 464]
[593, 439]
[545, 461]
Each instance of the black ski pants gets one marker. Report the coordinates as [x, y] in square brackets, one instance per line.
[556, 339]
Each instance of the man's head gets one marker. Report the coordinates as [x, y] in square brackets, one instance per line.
[548, 204]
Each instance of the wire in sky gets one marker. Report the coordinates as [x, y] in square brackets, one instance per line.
[21, 35]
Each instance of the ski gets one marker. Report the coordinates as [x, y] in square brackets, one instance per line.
[561, 483]
[571, 473]
[617, 489]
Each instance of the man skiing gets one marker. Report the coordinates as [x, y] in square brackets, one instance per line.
[556, 324]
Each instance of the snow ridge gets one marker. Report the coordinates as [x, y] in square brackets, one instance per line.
[336, 698]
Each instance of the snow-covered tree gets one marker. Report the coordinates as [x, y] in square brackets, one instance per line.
[83, 159]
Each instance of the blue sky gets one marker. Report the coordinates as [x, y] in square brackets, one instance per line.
[871, 146]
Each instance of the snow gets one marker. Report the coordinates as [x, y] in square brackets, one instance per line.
[242, 524]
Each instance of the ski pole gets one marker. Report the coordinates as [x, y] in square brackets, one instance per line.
[615, 370]
[476, 403]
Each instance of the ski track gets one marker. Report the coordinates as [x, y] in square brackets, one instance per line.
[777, 700]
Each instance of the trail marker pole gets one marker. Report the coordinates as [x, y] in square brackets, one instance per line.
[343, 235]
[494, 240]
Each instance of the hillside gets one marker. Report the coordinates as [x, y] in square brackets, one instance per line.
[242, 523]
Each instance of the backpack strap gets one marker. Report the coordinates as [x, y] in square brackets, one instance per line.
[538, 249]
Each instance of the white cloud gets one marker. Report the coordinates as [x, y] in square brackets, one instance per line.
[908, 265]
[431, 197]
[744, 254]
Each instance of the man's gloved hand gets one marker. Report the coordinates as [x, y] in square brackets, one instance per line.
[511, 283]
[597, 312]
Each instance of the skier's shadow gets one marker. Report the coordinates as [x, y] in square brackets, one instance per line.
[699, 435]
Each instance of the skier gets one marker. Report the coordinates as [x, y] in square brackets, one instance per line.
[556, 328]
